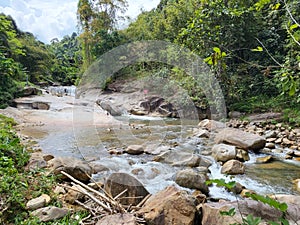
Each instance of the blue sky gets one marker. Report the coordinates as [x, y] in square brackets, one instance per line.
[48, 19]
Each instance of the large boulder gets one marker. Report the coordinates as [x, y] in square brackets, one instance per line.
[118, 182]
[211, 212]
[77, 168]
[169, 206]
[110, 107]
[192, 179]
[223, 152]
[233, 167]
[118, 219]
[178, 158]
[241, 139]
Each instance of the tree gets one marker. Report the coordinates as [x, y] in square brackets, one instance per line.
[94, 16]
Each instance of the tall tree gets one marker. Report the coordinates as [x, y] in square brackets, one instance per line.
[94, 16]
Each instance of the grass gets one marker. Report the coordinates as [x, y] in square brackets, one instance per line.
[17, 185]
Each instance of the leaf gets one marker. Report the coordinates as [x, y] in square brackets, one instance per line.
[276, 6]
[294, 26]
[217, 50]
[231, 212]
[258, 49]
[208, 60]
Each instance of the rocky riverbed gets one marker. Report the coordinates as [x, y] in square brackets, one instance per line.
[97, 142]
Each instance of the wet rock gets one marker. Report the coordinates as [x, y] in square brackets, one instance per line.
[178, 158]
[242, 155]
[265, 159]
[189, 178]
[135, 150]
[118, 182]
[110, 107]
[50, 213]
[166, 109]
[211, 125]
[48, 157]
[118, 219]
[77, 168]
[223, 152]
[240, 139]
[297, 185]
[169, 206]
[237, 189]
[286, 141]
[201, 133]
[200, 198]
[270, 145]
[39, 202]
[233, 167]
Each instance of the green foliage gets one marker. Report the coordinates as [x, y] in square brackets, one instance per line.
[222, 183]
[67, 60]
[17, 186]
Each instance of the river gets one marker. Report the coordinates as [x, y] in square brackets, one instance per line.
[79, 128]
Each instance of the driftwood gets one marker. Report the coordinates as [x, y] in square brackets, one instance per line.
[100, 203]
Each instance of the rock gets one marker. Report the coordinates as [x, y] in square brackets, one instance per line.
[211, 212]
[135, 150]
[278, 141]
[154, 102]
[48, 157]
[178, 158]
[118, 182]
[138, 111]
[223, 152]
[200, 198]
[50, 213]
[211, 125]
[270, 134]
[74, 194]
[242, 155]
[169, 206]
[237, 189]
[245, 193]
[265, 159]
[59, 190]
[27, 91]
[167, 109]
[234, 114]
[110, 107]
[118, 219]
[97, 167]
[233, 167]
[201, 133]
[270, 145]
[289, 199]
[40, 105]
[36, 162]
[39, 202]
[240, 139]
[77, 168]
[286, 141]
[156, 151]
[191, 179]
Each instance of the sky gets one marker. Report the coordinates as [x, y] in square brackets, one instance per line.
[48, 19]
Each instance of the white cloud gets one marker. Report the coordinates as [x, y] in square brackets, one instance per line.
[50, 19]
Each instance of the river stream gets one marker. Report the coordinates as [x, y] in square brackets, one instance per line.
[80, 133]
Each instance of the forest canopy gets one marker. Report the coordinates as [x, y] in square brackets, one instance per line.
[252, 47]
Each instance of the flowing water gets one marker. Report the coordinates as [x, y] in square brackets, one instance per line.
[91, 137]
